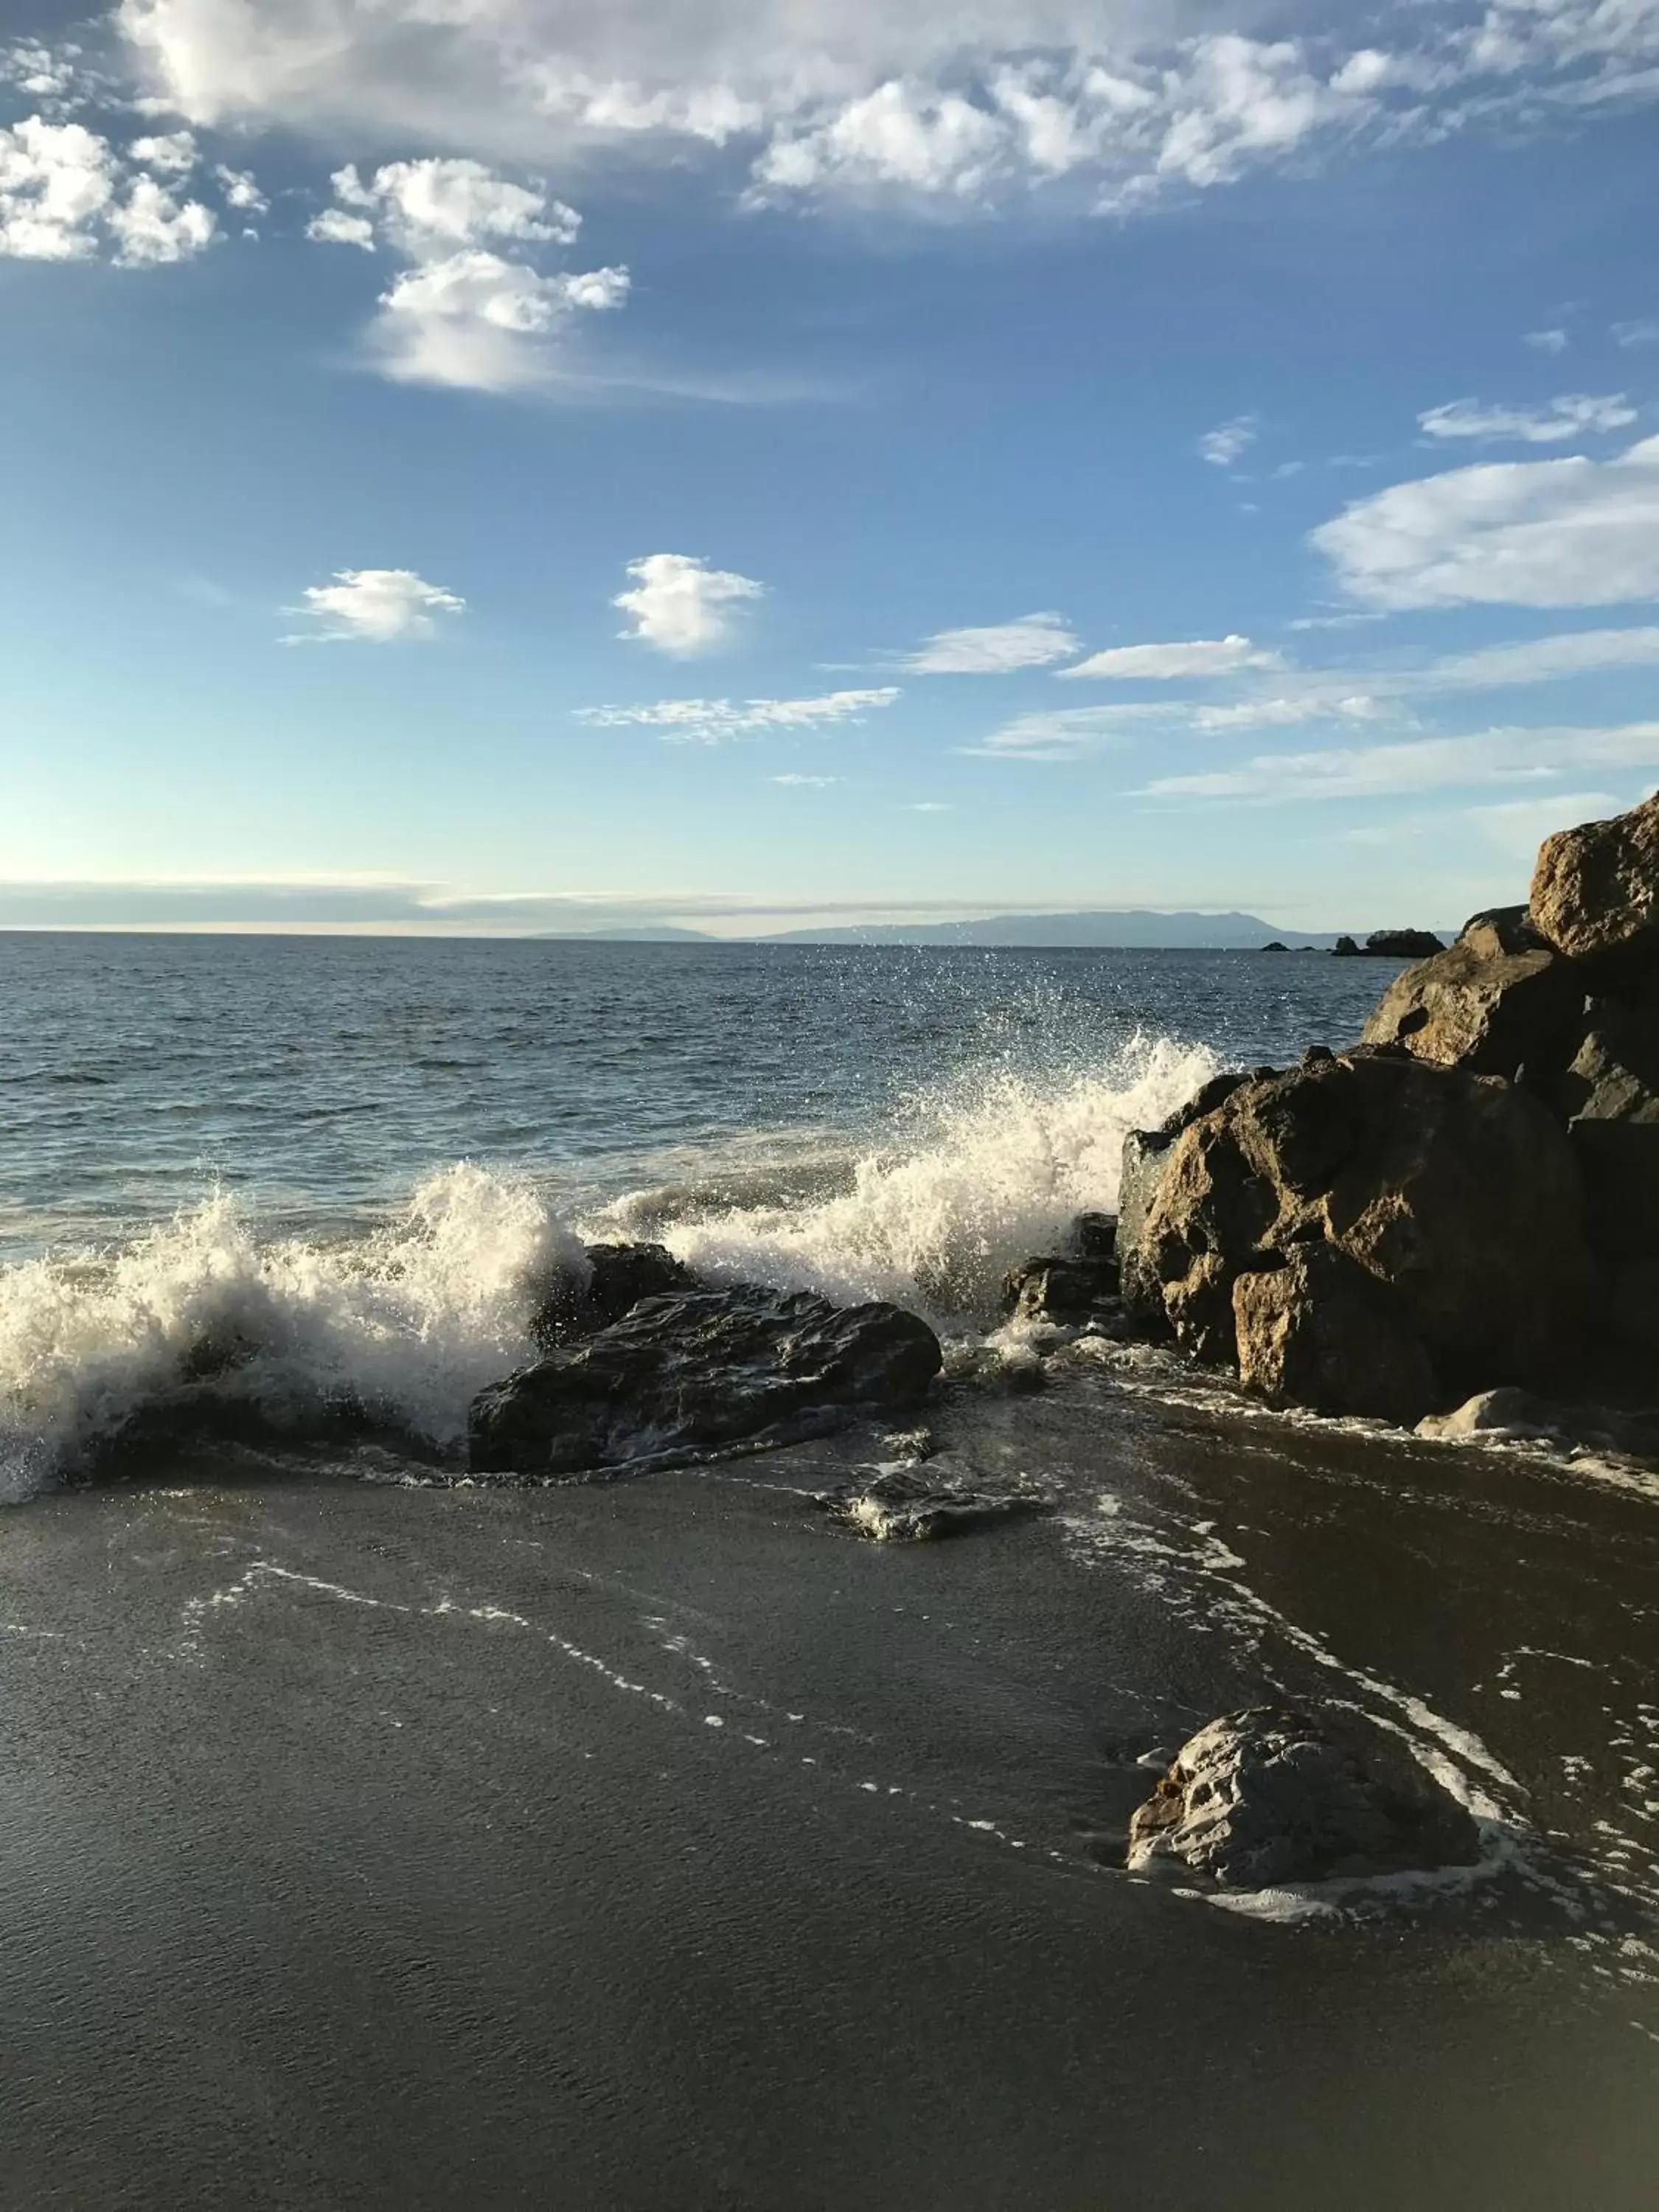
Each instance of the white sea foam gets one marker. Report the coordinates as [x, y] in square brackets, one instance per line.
[411, 1321]
[984, 1175]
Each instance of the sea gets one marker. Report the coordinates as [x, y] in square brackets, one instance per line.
[373, 1836]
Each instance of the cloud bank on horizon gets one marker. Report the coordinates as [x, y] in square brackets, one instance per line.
[720, 234]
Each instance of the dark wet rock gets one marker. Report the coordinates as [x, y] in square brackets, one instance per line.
[1057, 1289]
[1482, 1006]
[1274, 945]
[1316, 1055]
[1457, 1193]
[1633, 1304]
[1205, 1099]
[1610, 1096]
[1145, 1156]
[1321, 1332]
[895, 1503]
[1094, 1237]
[1344, 949]
[1273, 1795]
[699, 1370]
[1595, 890]
[619, 1276]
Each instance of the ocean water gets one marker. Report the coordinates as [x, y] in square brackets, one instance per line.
[369, 1838]
[361, 1157]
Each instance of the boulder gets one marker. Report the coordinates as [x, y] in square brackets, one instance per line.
[697, 1370]
[1595, 890]
[1610, 1096]
[1145, 1156]
[1633, 1305]
[1270, 1795]
[1503, 1413]
[1492, 1003]
[1094, 1237]
[1321, 1332]
[1345, 949]
[1457, 1192]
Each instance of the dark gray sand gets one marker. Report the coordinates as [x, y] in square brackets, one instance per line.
[663, 1844]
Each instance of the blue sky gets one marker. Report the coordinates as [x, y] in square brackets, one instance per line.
[551, 464]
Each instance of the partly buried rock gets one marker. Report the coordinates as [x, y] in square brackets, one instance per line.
[1498, 1002]
[698, 1371]
[1595, 890]
[1270, 1795]
[1456, 1194]
[898, 1503]
[618, 1277]
[1321, 1331]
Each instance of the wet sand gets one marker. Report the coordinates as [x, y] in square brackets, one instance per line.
[663, 1845]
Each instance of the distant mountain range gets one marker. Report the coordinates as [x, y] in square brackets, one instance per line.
[1129, 928]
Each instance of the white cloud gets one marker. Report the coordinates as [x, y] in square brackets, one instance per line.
[1228, 441]
[1561, 533]
[714, 721]
[174, 154]
[241, 190]
[149, 226]
[1645, 333]
[376, 606]
[930, 806]
[66, 195]
[806, 782]
[680, 604]
[1073, 732]
[1521, 826]
[1570, 416]
[45, 73]
[463, 314]
[338, 227]
[476, 320]
[960, 102]
[1576, 653]
[1031, 642]
[1162, 664]
[1546, 341]
[1491, 757]
[431, 209]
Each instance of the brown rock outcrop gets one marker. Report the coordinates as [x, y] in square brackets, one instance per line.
[1596, 892]
[1499, 1002]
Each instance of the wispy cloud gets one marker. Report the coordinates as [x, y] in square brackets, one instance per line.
[715, 721]
[1491, 757]
[1228, 441]
[1570, 416]
[1162, 664]
[997, 649]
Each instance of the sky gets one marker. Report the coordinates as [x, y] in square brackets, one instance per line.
[513, 464]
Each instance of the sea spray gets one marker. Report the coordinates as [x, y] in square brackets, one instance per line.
[408, 1324]
[996, 1168]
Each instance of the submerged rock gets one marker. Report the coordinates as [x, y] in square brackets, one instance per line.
[1595, 890]
[1497, 1002]
[698, 1371]
[1321, 1332]
[896, 1504]
[1270, 1795]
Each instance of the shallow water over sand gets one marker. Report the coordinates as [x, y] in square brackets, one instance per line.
[662, 1843]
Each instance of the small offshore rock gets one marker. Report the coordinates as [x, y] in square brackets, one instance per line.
[698, 1371]
[1403, 944]
[1272, 1795]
